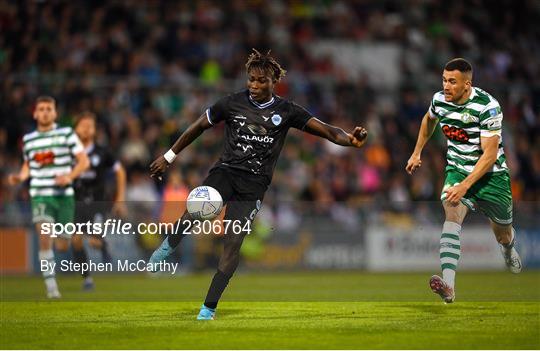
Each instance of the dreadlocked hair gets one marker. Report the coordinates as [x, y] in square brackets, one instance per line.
[265, 63]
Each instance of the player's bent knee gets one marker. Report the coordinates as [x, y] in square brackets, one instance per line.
[501, 231]
[232, 249]
[455, 213]
[233, 243]
[229, 261]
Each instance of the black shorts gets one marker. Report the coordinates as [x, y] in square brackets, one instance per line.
[93, 211]
[241, 191]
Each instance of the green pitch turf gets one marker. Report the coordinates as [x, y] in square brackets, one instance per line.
[316, 310]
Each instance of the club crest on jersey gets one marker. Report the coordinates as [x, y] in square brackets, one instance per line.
[94, 160]
[276, 119]
[494, 111]
[466, 117]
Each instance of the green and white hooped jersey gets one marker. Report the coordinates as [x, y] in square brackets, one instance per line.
[50, 154]
[463, 125]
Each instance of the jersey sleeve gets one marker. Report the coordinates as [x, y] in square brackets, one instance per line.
[432, 111]
[74, 143]
[218, 112]
[299, 116]
[25, 153]
[491, 120]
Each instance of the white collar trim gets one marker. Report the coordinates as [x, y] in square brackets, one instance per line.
[263, 105]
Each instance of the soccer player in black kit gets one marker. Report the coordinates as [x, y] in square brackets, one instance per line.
[91, 205]
[256, 124]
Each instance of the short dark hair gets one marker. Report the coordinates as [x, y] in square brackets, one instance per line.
[459, 64]
[85, 115]
[45, 98]
[265, 63]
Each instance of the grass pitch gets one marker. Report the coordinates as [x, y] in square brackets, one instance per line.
[316, 310]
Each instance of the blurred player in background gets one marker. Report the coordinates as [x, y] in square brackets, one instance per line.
[477, 175]
[53, 158]
[256, 124]
[91, 205]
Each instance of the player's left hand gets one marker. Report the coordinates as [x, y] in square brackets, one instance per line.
[158, 167]
[13, 179]
[358, 137]
[455, 193]
[63, 180]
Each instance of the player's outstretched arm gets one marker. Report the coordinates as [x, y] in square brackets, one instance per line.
[160, 164]
[24, 173]
[426, 131]
[356, 138]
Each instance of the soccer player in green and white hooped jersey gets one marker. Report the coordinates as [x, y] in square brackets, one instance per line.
[49, 155]
[476, 176]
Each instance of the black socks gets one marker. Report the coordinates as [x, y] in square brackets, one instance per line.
[219, 283]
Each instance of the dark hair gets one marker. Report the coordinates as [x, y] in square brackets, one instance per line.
[83, 115]
[265, 63]
[459, 64]
[45, 98]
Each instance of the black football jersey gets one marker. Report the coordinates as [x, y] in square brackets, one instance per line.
[90, 185]
[255, 133]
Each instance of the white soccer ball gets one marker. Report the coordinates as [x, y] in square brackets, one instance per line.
[204, 202]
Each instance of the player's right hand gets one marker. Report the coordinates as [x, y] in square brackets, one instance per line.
[13, 179]
[158, 167]
[358, 137]
[413, 164]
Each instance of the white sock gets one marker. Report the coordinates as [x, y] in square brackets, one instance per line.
[51, 284]
[450, 251]
[48, 274]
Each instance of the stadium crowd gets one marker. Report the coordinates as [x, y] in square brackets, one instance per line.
[148, 69]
